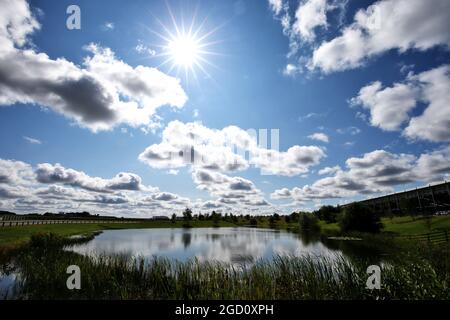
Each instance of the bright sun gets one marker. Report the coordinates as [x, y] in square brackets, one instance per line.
[185, 47]
[184, 50]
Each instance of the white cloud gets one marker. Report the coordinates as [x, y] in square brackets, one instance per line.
[302, 25]
[32, 140]
[236, 191]
[329, 170]
[312, 115]
[143, 49]
[51, 174]
[319, 136]
[374, 172]
[295, 161]
[349, 144]
[390, 108]
[383, 26]
[15, 172]
[350, 130]
[108, 26]
[184, 144]
[105, 93]
[276, 6]
[52, 187]
[434, 123]
[310, 15]
[16, 24]
[291, 70]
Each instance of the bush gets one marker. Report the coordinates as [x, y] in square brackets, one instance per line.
[358, 217]
[309, 221]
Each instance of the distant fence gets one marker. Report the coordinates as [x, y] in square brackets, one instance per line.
[439, 236]
[19, 223]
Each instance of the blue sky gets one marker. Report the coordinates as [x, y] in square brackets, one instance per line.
[303, 78]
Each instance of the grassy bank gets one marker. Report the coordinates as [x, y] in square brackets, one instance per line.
[408, 225]
[120, 277]
[16, 236]
[403, 225]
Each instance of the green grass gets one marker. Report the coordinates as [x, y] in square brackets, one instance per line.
[328, 227]
[406, 225]
[402, 225]
[16, 236]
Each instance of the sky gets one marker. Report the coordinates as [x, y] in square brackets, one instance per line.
[145, 108]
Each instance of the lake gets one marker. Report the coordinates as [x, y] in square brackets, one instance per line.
[230, 245]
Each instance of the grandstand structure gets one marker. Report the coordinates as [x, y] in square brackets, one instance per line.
[431, 199]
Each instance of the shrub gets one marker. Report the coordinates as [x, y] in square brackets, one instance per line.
[358, 217]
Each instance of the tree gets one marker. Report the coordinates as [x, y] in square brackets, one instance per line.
[328, 213]
[271, 220]
[174, 218]
[187, 214]
[287, 219]
[358, 217]
[216, 218]
[309, 221]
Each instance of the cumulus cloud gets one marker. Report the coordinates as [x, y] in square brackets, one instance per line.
[434, 123]
[48, 173]
[374, 172]
[329, 170]
[384, 26]
[15, 172]
[228, 190]
[319, 136]
[295, 161]
[52, 187]
[301, 26]
[310, 15]
[390, 108]
[193, 144]
[103, 93]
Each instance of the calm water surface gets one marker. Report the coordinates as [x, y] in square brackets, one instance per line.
[231, 245]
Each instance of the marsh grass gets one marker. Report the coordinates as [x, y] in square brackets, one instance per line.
[43, 275]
